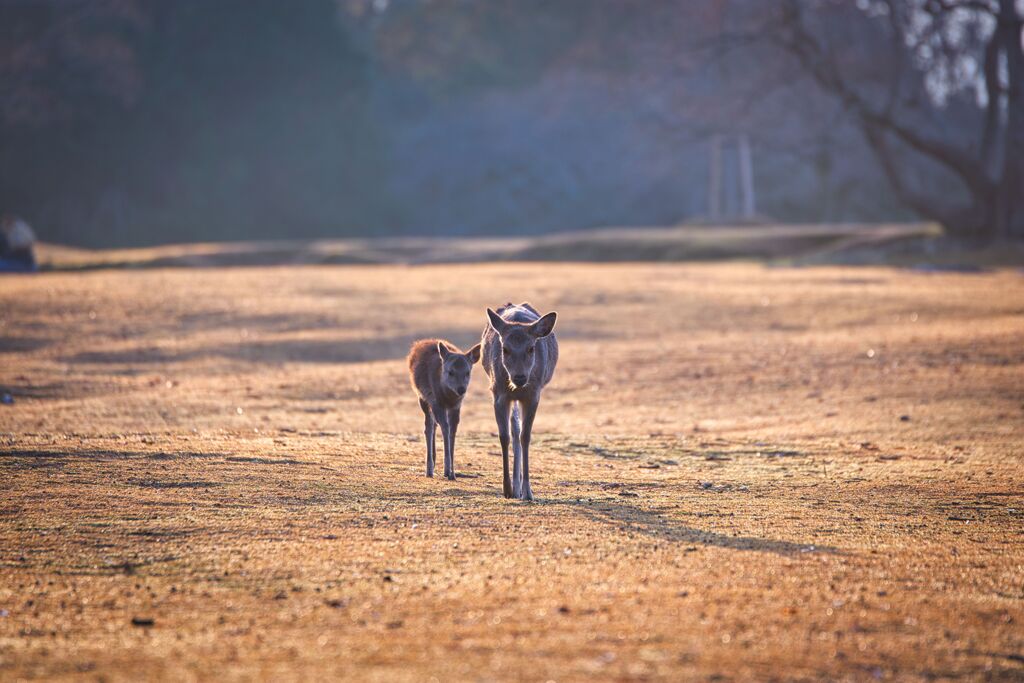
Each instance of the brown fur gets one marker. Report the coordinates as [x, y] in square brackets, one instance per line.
[440, 380]
[425, 370]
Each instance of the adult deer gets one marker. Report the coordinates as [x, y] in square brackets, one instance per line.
[519, 356]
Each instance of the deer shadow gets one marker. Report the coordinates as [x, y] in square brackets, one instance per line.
[658, 524]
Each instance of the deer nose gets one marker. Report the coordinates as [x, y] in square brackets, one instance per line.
[520, 380]
[461, 390]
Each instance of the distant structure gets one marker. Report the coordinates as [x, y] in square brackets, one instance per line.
[719, 207]
[17, 245]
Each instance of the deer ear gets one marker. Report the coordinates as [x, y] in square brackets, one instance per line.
[544, 326]
[497, 324]
[473, 355]
[442, 349]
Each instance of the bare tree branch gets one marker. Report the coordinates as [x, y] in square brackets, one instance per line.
[802, 44]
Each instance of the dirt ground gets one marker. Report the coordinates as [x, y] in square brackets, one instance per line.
[742, 473]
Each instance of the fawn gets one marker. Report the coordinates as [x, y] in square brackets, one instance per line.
[439, 372]
[519, 356]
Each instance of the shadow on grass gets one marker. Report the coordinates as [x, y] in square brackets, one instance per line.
[657, 523]
[71, 389]
[23, 344]
[30, 458]
[279, 351]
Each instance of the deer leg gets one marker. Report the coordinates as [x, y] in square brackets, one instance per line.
[441, 417]
[453, 427]
[529, 412]
[429, 431]
[517, 451]
[501, 410]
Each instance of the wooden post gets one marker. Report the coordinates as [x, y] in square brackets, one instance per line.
[715, 179]
[746, 176]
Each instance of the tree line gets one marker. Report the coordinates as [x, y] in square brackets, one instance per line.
[141, 121]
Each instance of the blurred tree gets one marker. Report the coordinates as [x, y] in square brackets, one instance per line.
[938, 81]
[141, 121]
[67, 58]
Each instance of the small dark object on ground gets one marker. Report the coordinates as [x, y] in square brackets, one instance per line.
[143, 621]
[7, 399]
[904, 418]
[17, 246]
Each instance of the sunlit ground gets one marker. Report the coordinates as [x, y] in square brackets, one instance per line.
[741, 471]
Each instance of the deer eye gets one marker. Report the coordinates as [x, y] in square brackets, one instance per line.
[505, 349]
[530, 351]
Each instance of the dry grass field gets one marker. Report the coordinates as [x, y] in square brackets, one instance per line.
[742, 473]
